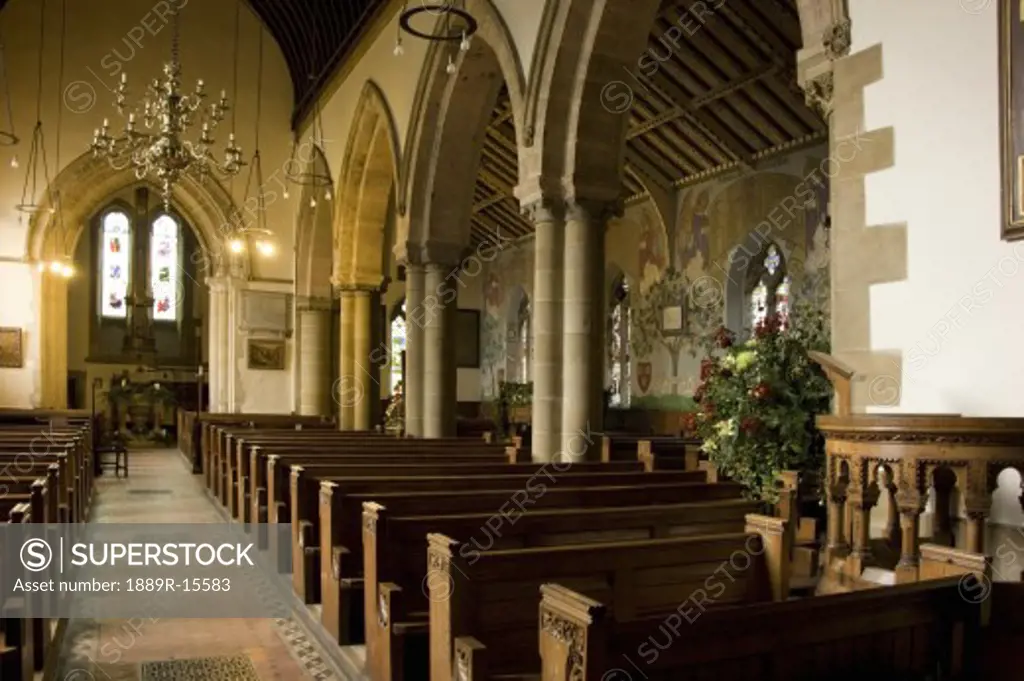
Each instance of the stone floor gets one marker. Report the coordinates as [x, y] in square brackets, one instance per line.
[161, 489]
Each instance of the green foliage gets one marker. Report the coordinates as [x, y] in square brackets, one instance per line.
[759, 400]
[664, 403]
[515, 394]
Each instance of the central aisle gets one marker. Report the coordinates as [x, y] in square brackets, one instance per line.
[162, 489]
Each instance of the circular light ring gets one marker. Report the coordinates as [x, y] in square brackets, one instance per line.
[310, 179]
[28, 207]
[468, 31]
[8, 139]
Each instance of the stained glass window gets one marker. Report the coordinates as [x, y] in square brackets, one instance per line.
[524, 340]
[115, 261]
[769, 288]
[397, 347]
[164, 269]
[618, 345]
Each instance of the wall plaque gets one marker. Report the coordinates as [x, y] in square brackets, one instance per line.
[10, 348]
[266, 355]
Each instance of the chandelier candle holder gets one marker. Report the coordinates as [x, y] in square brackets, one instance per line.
[165, 155]
[7, 136]
[456, 25]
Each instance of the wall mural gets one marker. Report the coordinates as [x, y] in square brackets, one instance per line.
[492, 336]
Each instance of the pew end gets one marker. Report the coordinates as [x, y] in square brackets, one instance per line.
[402, 650]
[573, 635]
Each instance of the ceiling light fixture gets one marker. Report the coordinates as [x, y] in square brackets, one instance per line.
[455, 24]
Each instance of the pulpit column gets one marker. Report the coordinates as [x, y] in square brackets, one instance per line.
[861, 500]
[837, 546]
[911, 504]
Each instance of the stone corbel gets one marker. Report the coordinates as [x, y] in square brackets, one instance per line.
[815, 60]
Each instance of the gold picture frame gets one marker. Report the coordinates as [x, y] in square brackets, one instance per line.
[266, 355]
[1011, 118]
[11, 351]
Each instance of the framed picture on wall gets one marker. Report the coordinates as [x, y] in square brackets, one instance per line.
[467, 339]
[10, 348]
[266, 355]
[1011, 117]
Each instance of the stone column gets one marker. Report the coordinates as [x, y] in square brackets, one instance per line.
[439, 310]
[583, 345]
[217, 337]
[362, 344]
[413, 389]
[346, 389]
[546, 416]
[314, 360]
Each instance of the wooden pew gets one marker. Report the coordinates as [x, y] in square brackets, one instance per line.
[671, 452]
[394, 550]
[486, 603]
[340, 575]
[909, 632]
[305, 513]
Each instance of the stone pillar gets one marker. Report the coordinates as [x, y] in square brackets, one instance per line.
[440, 306]
[346, 391]
[546, 416]
[583, 347]
[362, 344]
[413, 389]
[314, 359]
[217, 337]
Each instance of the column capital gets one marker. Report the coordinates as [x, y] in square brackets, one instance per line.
[313, 304]
[544, 209]
[596, 211]
[442, 253]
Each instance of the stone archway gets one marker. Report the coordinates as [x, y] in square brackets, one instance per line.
[313, 238]
[367, 182]
[82, 187]
[451, 113]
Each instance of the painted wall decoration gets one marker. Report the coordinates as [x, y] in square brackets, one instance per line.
[492, 336]
[693, 233]
[653, 258]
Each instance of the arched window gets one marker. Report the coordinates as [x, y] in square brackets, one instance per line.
[768, 288]
[397, 346]
[164, 269]
[115, 263]
[618, 344]
[525, 340]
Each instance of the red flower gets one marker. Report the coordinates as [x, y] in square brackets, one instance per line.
[769, 326]
[698, 394]
[761, 391]
[750, 425]
[723, 337]
[707, 368]
[689, 422]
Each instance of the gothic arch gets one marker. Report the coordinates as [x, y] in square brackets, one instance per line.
[742, 259]
[447, 129]
[313, 261]
[369, 175]
[83, 187]
[578, 84]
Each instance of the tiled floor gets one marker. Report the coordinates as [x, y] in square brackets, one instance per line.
[162, 489]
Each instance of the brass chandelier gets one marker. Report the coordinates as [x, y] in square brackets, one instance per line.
[165, 155]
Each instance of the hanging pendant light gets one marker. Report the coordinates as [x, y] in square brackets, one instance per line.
[8, 138]
[305, 172]
[456, 25]
[37, 149]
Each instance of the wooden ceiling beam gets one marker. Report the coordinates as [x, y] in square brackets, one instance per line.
[483, 205]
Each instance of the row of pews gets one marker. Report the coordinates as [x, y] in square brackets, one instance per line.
[46, 476]
[461, 559]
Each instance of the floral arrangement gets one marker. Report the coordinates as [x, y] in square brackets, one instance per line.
[394, 415]
[758, 401]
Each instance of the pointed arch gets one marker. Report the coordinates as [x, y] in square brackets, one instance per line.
[367, 181]
[313, 238]
[82, 188]
[447, 129]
